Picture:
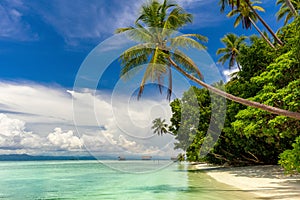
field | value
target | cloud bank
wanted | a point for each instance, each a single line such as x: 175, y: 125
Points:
x: 36, y: 119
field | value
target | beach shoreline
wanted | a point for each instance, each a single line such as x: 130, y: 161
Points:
x: 266, y: 181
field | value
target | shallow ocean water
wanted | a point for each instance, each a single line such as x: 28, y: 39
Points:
x: 95, y: 180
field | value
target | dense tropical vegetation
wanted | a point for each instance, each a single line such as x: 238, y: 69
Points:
x: 265, y: 126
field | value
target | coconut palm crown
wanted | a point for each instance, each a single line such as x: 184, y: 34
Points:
x: 245, y: 14
x: 158, y: 45
x: 231, y: 50
x: 286, y: 11
x: 160, y: 126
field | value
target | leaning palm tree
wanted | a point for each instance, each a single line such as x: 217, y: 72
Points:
x: 231, y: 50
x: 248, y: 18
x: 159, y: 48
x: 238, y: 3
x: 289, y: 10
x: 160, y: 126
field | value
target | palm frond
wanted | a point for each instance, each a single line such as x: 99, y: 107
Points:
x: 259, y: 8
x: 133, y: 66
x: 186, y: 42
x: 238, y: 21
x: 186, y: 63
x: 177, y: 18
x: 223, y: 50
x: 122, y: 30
x: 155, y: 70
x: 224, y: 58
x: 135, y: 51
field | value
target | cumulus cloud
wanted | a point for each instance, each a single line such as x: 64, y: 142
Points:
x: 64, y: 140
x: 39, y: 119
x: 14, y: 136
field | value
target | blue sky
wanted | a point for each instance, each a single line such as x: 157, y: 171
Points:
x: 44, y: 43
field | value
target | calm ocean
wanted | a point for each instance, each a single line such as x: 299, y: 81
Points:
x: 92, y: 180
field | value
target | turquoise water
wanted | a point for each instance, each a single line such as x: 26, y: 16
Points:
x: 93, y: 180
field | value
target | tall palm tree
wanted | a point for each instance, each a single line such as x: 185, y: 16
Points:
x: 160, y: 126
x: 154, y: 31
x: 232, y: 45
x: 288, y: 8
x: 154, y: 36
x: 238, y: 3
x: 248, y: 18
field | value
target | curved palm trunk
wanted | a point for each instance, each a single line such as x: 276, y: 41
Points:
x: 238, y: 65
x: 261, y: 33
x: 264, y: 23
x: 291, y: 7
x: 246, y: 102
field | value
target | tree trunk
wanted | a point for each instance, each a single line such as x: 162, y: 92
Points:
x: 291, y: 7
x: 238, y: 65
x: 261, y: 33
x: 246, y: 102
x: 264, y: 23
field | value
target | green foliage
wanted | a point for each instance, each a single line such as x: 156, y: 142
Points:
x: 251, y: 136
x: 255, y: 58
x: 190, y: 121
x: 290, y: 159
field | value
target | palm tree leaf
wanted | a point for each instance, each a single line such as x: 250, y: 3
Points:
x: 140, y: 34
x: 177, y: 18
x: 223, y: 50
x: 224, y: 58
x: 186, y: 42
x: 259, y: 8
x: 187, y: 63
x: 133, y: 66
x: 233, y: 12
x: 155, y: 70
x: 197, y: 36
x: 135, y: 51
x: 121, y: 30
x: 238, y: 21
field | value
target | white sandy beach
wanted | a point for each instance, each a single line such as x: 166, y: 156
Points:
x: 266, y: 182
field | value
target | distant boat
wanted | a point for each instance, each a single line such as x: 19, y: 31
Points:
x: 175, y: 159
x: 146, y: 157
x: 121, y: 158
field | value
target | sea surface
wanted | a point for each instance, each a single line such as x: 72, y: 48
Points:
x: 95, y: 180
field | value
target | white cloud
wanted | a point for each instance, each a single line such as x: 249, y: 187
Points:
x: 12, y: 23
x: 15, y: 137
x: 64, y: 140
x: 80, y: 21
x: 32, y: 112
x: 230, y: 73
x: 91, y: 20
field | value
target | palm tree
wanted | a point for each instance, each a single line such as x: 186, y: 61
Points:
x: 231, y: 50
x: 287, y: 9
x: 159, y: 126
x: 154, y: 31
x: 158, y: 30
x: 238, y: 3
x: 248, y: 18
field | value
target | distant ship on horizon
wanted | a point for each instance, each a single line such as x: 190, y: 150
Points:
x: 146, y: 157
